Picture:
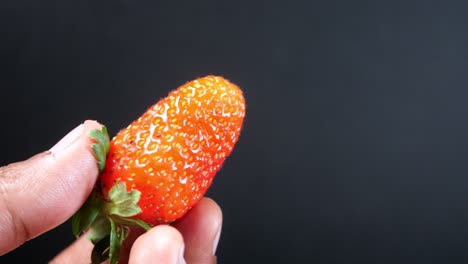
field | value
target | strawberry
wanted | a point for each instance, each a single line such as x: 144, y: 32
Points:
x: 155, y: 170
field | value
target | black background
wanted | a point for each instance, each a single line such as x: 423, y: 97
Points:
x: 355, y: 143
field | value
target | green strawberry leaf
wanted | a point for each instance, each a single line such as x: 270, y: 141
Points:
x: 84, y: 218
x: 132, y: 222
x: 99, y: 229
x: 101, y: 147
x: 123, y: 203
x: 114, y: 249
x: 109, y: 219
x: 117, y: 209
x: 108, y: 242
x: 117, y: 236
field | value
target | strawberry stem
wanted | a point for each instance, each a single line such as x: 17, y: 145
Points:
x: 111, y: 227
x: 108, y: 219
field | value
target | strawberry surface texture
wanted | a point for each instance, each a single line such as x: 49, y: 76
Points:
x: 155, y: 170
x: 172, y: 152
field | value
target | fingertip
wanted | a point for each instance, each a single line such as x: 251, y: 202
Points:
x: 92, y: 124
x: 210, y: 207
x: 213, y: 210
x: 81, y: 132
x: 161, y: 244
x: 207, y: 215
x: 201, y: 228
x: 77, y: 165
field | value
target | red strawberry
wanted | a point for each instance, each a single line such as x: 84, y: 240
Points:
x: 161, y: 165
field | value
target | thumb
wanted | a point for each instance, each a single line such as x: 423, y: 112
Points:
x: 42, y: 192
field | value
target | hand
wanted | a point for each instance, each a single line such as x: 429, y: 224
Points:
x: 44, y: 191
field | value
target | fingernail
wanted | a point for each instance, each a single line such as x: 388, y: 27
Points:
x: 216, y: 240
x: 181, y: 259
x: 66, y: 141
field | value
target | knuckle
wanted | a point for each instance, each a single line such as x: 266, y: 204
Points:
x: 13, y: 231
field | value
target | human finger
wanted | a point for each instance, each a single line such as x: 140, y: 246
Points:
x: 201, y: 229
x: 42, y: 192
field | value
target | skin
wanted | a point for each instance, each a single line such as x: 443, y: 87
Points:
x: 32, y: 195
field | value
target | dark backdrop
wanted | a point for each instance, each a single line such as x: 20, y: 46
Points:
x: 354, y: 148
